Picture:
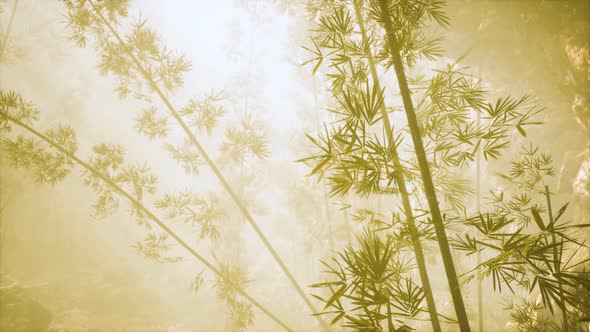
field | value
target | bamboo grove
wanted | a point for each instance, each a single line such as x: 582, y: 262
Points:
x: 403, y: 128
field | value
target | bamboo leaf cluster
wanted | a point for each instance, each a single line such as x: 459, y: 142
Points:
x: 370, y: 287
x: 527, y: 244
x: 454, y: 121
x: 112, y: 179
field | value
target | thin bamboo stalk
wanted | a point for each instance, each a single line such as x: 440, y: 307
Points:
x: 401, y: 183
x: 328, y: 217
x: 557, y: 262
x: 429, y: 189
x: 325, y: 196
x: 241, y: 206
x: 480, y: 321
x: 147, y: 212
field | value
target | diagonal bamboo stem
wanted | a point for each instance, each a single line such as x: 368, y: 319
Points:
x: 213, y: 168
x: 148, y: 213
x: 439, y: 228
x: 401, y: 182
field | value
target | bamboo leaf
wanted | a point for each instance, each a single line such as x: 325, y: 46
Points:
x: 337, y: 318
x: 336, y: 296
x: 538, y: 219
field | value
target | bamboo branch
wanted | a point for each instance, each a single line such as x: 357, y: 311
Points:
x: 401, y: 182
x: 394, y: 50
x: 148, y: 213
x: 213, y: 167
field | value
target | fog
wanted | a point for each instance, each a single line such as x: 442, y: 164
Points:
x: 66, y: 266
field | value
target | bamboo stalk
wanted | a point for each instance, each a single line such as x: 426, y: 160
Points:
x: 328, y: 217
x: 425, y: 171
x: 148, y: 213
x: 325, y: 196
x: 390, y: 327
x: 557, y: 262
x: 480, y: 321
x: 214, y: 169
x: 401, y: 182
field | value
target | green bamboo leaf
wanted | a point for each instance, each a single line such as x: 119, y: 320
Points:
x: 337, y: 318
x: 538, y: 219
x: 318, y: 297
x: 319, y: 166
x: 317, y: 66
x: 561, y: 212
x: 326, y: 284
x: 336, y: 296
x: 521, y: 130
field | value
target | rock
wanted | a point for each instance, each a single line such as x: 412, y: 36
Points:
x: 19, y: 311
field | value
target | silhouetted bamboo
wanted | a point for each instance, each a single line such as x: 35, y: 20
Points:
x: 147, y: 212
x: 211, y: 165
x: 401, y: 182
x: 557, y: 262
x: 453, y: 281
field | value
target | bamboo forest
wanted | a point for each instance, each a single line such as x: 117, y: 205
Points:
x: 294, y: 165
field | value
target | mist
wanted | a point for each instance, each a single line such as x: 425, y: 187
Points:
x: 265, y: 165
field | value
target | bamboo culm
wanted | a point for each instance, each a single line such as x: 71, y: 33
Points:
x: 429, y: 189
x: 418, y: 251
